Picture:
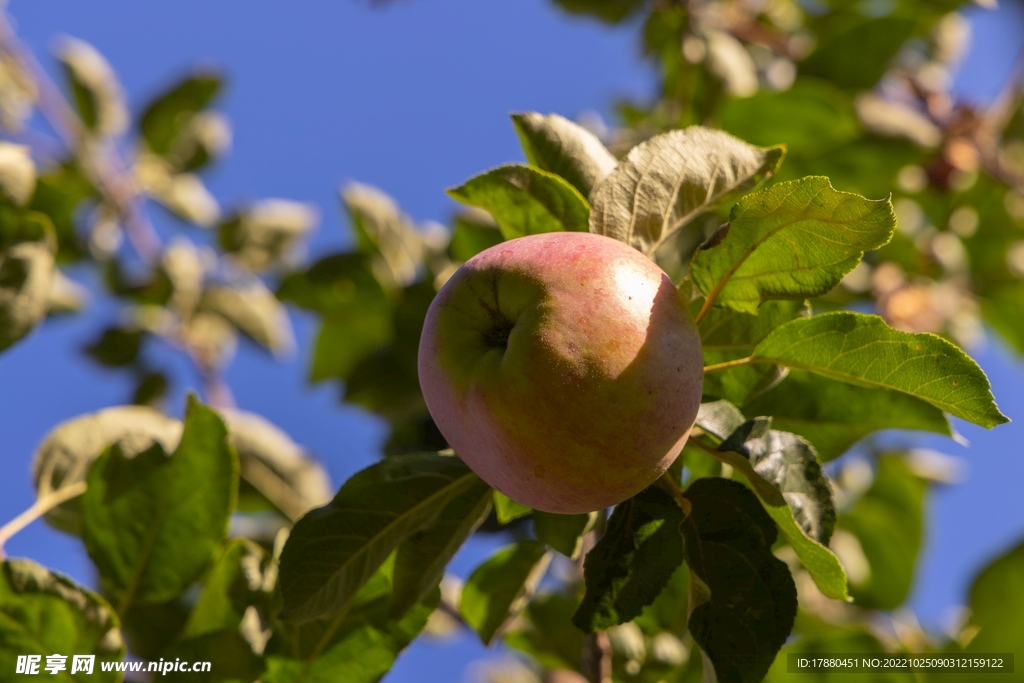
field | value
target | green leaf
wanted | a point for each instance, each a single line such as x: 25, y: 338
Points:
x: 357, y: 315
x: 774, y: 464
x: 525, y: 200
x: 64, y: 456
x: 833, y: 415
x: 888, y: 523
x: 669, y: 610
x: 386, y: 233
x: 421, y: 559
x: 729, y: 335
x: 152, y: 523
x: 26, y: 272
x: 216, y: 631
x: 742, y: 598
x: 43, y: 613
x: 227, y: 590
x: 790, y: 241
x: 500, y: 588
x: 95, y: 90
x: 825, y: 639
x: 166, y: 115
x: 790, y: 465
x: 266, y: 233
x: 665, y: 182
x: 564, y: 533
x: 254, y: 310
x: 335, y: 549
x: 854, y: 51
x: 996, y: 600
x: 555, y: 144
x: 356, y: 646
x: 547, y: 633
x: 474, y: 230
x: 507, y: 509
x: 116, y: 347
x: 861, y: 349
x: 632, y: 562
x: 276, y: 472
x: 59, y: 193
x: 810, y: 117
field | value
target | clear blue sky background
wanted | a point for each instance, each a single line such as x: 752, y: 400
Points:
x: 412, y: 98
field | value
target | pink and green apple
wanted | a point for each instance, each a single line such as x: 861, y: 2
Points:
x: 563, y: 368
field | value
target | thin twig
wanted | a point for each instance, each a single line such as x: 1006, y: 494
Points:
x: 597, y: 658
x: 38, y: 509
x: 105, y: 168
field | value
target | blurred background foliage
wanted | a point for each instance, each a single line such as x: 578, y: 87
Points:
x: 858, y: 90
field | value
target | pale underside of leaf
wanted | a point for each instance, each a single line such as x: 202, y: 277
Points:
x: 667, y: 181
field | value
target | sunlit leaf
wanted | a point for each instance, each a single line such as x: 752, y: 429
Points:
x: 43, y: 613
x: 557, y: 145
x: 152, y: 523
x: 525, y: 200
x: 667, y: 181
x: 791, y: 241
x: 863, y: 350
x: 563, y: 533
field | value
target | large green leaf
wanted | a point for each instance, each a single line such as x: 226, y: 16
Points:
x: 152, y: 523
x: 790, y: 241
x: 358, y: 645
x: 421, y: 559
x: 774, y: 464
x: 742, y: 598
x: 42, y: 614
x: 500, y: 588
x: 335, y: 549
x: 861, y: 349
x: 525, y: 200
x: 791, y: 466
x: 557, y: 145
x: 665, y: 182
x: 632, y: 562
x: 834, y: 415
x: 888, y: 523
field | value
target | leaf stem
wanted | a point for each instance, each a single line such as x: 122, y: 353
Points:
x: 729, y: 364
x: 677, y: 493
x: 38, y: 509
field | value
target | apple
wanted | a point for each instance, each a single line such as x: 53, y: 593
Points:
x: 563, y: 368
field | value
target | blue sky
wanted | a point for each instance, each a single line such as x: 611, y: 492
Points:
x: 412, y: 98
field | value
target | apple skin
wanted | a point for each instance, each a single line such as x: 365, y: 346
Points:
x: 563, y: 368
